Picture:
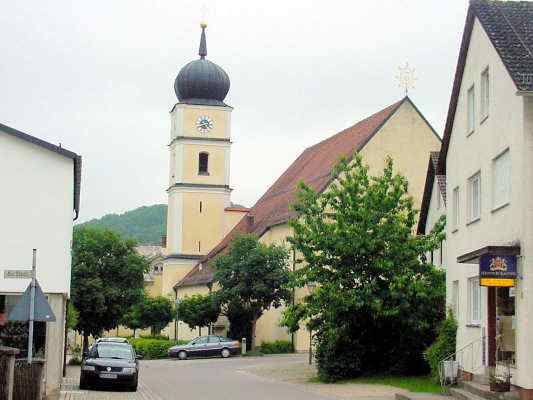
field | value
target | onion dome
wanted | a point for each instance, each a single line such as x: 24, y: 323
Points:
x: 202, y: 81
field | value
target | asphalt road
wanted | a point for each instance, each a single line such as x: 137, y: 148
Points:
x: 204, y: 379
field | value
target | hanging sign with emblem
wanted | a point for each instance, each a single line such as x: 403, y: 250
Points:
x: 497, y: 271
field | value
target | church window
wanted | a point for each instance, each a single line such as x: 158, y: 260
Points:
x: 200, y: 206
x: 203, y: 164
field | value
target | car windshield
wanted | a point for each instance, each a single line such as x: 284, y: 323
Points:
x: 109, y: 350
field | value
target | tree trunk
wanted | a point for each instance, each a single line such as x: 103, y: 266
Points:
x: 85, y: 343
x: 199, y: 331
x: 254, y: 322
x: 134, y: 330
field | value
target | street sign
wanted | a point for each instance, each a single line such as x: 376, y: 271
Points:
x: 17, y: 274
x: 42, y: 310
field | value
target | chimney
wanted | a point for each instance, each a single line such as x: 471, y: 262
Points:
x: 250, y: 219
x: 164, y: 241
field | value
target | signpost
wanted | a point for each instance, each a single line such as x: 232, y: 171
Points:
x: 497, y: 271
x: 32, y: 305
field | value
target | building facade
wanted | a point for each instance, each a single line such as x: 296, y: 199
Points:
x: 399, y: 131
x: 487, y: 158
x: 39, y: 202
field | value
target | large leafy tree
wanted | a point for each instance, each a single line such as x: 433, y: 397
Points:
x: 376, y: 302
x: 132, y: 318
x: 156, y: 313
x: 198, y: 310
x: 251, y: 277
x: 107, y: 279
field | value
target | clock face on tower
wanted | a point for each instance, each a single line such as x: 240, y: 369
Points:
x: 204, y: 124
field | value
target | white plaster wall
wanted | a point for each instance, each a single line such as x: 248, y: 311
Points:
x: 434, y: 213
x: 36, y: 211
x: 469, y: 154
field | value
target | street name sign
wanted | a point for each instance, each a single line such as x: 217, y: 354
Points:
x: 17, y: 274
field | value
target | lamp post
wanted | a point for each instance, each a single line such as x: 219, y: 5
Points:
x: 311, y: 286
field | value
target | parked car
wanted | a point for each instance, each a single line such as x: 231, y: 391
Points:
x: 110, y: 363
x: 112, y: 339
x: 206, y: 346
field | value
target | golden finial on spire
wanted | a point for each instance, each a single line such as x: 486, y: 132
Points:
x: 203, y: 19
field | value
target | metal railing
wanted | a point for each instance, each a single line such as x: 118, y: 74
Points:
x: 469, y: 358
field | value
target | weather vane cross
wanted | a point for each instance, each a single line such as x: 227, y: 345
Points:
x: 406, y: 78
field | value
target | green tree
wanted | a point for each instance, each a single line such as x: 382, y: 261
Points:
x: 107, y: 279
x: 199, y: 310
x: 132, y: 318
x: 73, y: 316
x: 376, y: 303
x: 156, y: 313
x: 252, y: 277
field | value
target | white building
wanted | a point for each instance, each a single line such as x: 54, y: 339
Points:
x: 39, y: 200
x: 433, y: 208
x: 487, y: 158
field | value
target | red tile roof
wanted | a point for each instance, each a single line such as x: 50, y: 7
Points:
x: 314, y: 167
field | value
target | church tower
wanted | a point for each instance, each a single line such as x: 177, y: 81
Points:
x: 199, y: 173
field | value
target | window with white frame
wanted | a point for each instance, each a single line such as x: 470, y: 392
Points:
x: 501, y: 179
x: 474, y: 301
x: 455, y: 298
x: 455, y: 210
x: 485, y: 93
x: 471, y: 110
x: 474, y: 197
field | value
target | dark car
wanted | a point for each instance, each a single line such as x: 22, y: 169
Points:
x: 110, y: 363
x: 206, y: 346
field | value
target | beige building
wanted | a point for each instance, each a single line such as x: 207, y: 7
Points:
x: 399, y: 131
x: 201, y: 218
x: 487, y: 157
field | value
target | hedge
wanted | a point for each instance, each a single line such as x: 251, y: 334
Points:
x: 151, y: 348
x: 277, y: 347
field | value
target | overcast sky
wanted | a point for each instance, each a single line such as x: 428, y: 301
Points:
x: 97, y: 76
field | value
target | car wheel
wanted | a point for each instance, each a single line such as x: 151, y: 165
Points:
x: 225, y: 353
x: 83, y: 384
x: 182, y: 355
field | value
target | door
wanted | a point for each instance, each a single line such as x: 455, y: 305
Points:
x: 213, y: 345
x: 505, y: 326
x: 198, y: 346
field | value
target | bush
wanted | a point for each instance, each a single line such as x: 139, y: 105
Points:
x: 277, y: 347
x: 76, y: 356
x: 151, y: 348
x: 443, y: 346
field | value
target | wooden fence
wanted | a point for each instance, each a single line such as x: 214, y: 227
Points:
x: 28, y: 380
x: 18, y: 379
x: 7, y: 372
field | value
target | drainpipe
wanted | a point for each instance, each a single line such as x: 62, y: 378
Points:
x: 176, y: 320
x: 65, y: 340
x: 293, y: 293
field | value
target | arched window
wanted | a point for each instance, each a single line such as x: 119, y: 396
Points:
x: 203, y: 164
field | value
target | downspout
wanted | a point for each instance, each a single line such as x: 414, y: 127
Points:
x: 293, y: 300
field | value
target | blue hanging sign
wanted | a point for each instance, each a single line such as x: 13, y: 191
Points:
x: 498, y: 271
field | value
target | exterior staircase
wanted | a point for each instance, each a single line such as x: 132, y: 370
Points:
x: 479, y: 389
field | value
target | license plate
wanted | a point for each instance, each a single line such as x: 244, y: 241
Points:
x: 108, y: 376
